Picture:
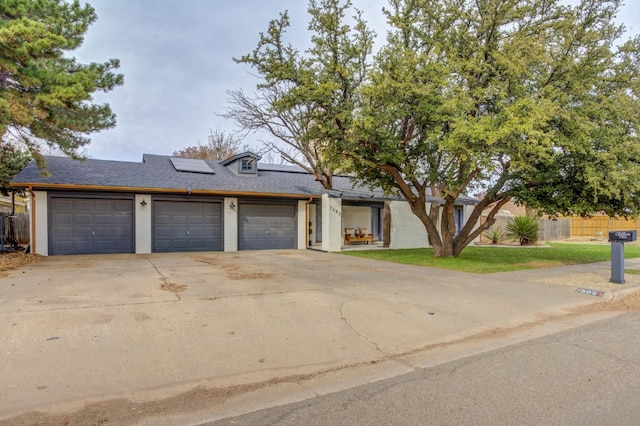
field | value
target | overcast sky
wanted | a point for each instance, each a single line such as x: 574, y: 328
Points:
x: 176, y: 57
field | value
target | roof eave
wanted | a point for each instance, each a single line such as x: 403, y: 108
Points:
x: 53, y: 186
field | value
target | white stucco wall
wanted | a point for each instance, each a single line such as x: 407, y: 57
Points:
x: 467, y: 212
x: 230, y: 224
x: 332, y: 232
x: 406, y: 229
x: 143, y: 223
x: 41, y: 224
x: 302, y: 224
x: 356, y: 217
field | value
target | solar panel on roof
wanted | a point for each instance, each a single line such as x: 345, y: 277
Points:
x: 191, y: 165
x: 281, y: 168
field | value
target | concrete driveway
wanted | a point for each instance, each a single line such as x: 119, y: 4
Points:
x: 78, y: 329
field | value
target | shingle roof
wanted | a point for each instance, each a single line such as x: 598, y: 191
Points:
x: 157, y: 173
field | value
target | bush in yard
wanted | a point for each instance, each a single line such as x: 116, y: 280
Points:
x: 495, y: 235
x: 524, y: 229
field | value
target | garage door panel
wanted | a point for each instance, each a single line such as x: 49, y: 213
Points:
x: 87, y: 205
x: 266, y: 226
x: 180, y: 226
x: 121, y: 220
x: 82, y: 219
x: 91, y: 226
x: 62, y: 233
x: 82, y: 232
x: 103, y: 233
x: 62, y: 204
x: 63, y: 219
x: 104, y: 206
x: 102, y: 219
x: 121, y: 207
x: 163, y: 232
x: 82, y: 246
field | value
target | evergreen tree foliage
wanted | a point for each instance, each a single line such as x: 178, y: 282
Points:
x: 45, y: 94
x: 12, y: 160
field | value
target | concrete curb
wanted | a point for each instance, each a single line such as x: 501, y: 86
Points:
x: 622, y: 293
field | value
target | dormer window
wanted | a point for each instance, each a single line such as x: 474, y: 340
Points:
x: 248, y: 166
x: 244, y: 164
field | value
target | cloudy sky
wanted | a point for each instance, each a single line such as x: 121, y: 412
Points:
x: 176, y: 56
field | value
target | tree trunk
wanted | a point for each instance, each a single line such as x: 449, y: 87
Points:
x: 386, y: 224
x: 448, y: 228
x: 443, y: 238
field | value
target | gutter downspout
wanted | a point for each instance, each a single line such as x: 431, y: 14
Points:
x: 306, y: 221
x: 33, y: 219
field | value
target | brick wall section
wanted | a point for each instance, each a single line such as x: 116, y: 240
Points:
x: 303, y: 224
x: 331, y: 223
x: 406, y: 229
x: 42, y: 224
x: 143, y: 223
x: 230, y: 224
x: 356, y: 217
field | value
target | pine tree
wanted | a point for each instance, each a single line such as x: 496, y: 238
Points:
x: 45, y: 94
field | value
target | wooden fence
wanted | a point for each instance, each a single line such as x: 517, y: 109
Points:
x: 20, y: 227
x: 554, y: 229
x: 599, y: 226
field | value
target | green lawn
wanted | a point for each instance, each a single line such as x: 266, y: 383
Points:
x: 484, y: 260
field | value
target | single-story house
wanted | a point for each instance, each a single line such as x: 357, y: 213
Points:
x: 170, y: 204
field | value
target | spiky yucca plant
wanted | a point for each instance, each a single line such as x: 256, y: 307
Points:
x: 495, y: 235
x: 524, y: 229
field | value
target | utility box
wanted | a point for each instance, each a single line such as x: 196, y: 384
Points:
x: 617, y: 240
x: 623, y: 236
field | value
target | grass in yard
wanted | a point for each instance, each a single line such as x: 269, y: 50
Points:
x: 484, y: 260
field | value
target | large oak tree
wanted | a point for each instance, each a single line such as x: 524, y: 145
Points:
x: 528, y: 100
x: 45, y: 94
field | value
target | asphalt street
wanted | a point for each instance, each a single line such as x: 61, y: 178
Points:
x: 588, y: 375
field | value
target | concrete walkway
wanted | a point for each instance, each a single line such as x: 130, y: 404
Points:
x: 79, y: 329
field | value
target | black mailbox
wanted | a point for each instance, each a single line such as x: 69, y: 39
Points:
x: 622, y: 236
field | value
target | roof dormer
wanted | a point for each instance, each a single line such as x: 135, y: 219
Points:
x: 243, y: 164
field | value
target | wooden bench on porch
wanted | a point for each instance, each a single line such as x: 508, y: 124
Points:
x: 357, y: 235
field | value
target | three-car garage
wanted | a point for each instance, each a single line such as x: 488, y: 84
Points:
x: 81, y: 223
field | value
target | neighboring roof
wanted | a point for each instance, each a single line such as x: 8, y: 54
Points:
x: 156, y: 173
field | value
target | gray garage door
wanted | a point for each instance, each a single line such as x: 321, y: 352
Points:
x: 90, y: 226
x: 187, y: 226
x: 266, y: 226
